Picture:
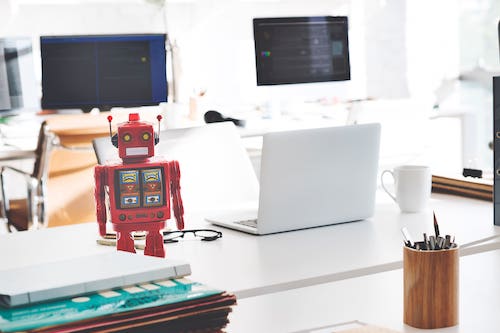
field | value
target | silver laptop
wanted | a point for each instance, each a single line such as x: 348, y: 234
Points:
x: 311, y: 178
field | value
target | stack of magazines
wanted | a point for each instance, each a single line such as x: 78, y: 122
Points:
x: 176, y: 305
x: 478, y: 188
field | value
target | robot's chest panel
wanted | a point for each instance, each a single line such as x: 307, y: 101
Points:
x: 139, y: 188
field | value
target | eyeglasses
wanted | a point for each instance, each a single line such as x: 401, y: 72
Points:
x: 204, y: 235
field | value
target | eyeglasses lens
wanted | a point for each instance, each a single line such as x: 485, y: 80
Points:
x: 206, y: 235
x: 173, y: 235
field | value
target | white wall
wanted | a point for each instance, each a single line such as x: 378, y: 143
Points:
x: 433, y: 47
x: 35, y: 18
x: 398, y: 48
x: 385, y: 40
x: 214, y: 38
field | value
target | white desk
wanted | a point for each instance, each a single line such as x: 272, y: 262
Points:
x: 375, y: 299
x: 255, y: 265
x: 9, y: 153
x: 18, y: 145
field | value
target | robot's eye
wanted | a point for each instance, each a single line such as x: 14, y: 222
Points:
x: 146, y: 136
x: 127, y: 137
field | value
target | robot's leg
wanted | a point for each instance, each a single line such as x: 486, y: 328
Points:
x: 125, y: 242
x: 154, y: 244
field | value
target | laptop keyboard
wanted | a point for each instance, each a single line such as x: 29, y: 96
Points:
x: 252, y: 223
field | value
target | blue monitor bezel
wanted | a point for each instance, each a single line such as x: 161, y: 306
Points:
x: 158, y: 70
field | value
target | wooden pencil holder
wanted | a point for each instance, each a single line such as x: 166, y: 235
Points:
x: 430, y: 287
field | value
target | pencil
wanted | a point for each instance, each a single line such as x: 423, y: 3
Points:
x: 436, y: 226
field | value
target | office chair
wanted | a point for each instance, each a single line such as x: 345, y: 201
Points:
x: 29, y: 212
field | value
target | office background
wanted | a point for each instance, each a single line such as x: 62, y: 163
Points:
x: 409, y: 56
x: 398, y: 49
x: 428, y: 67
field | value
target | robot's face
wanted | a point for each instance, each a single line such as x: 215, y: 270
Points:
x: 135, y: 140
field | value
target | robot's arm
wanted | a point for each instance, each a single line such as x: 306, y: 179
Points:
x: 175, y: 188
x: 100, y: 197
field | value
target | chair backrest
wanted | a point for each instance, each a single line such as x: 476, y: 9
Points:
x: 42, y: 152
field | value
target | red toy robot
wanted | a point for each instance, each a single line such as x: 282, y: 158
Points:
x: 139, y: 187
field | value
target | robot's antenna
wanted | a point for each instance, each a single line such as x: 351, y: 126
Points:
x: 114, y: 139
x: 159, y: 117
x: 110, y: 118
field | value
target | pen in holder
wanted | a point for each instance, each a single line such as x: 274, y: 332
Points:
x: 430, y: 287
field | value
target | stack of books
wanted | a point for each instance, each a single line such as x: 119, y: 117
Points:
x: 174, y: 305
x: 109, y: 292
x: 478, y: 188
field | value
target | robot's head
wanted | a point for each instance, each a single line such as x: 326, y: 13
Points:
x: 135, y: 139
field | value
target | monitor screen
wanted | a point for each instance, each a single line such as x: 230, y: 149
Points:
x: 103, y: 71
x: 17, y: 75
x: 301, y: 49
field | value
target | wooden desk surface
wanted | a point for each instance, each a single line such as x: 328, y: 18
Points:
x: 77, y: 129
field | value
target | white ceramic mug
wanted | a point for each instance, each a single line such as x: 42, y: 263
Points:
x: 412, y: 184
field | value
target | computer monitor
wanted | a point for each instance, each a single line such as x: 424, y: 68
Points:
x: 292, y: 50
x: 17, y: 75
x: 103, y: 71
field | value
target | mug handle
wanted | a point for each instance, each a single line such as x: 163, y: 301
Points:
x: 383, y: 186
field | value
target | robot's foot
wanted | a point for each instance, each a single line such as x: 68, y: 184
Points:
x: 125, y: 242
x: 154, y: 245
